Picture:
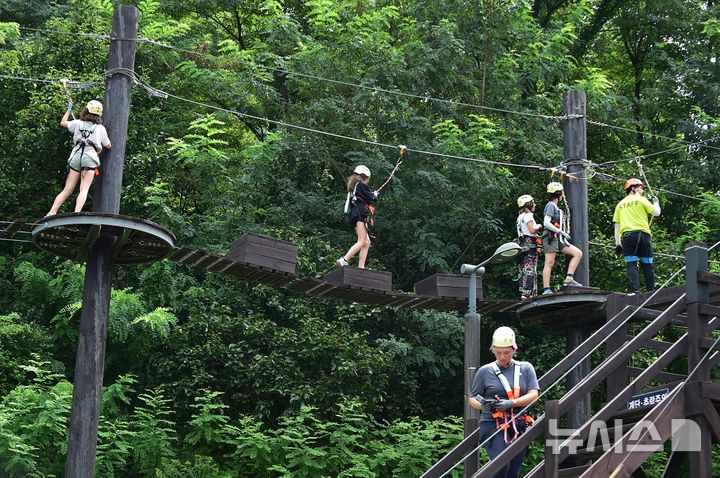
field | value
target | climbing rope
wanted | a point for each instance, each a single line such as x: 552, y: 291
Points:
x: 402, y: 148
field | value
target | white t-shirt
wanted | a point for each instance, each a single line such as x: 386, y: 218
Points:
x: 93, y: 132
x: 522, y: 224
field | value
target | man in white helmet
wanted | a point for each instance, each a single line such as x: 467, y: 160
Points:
x: 527, y: 230
x: 501, y: 389
x: 89, y: 138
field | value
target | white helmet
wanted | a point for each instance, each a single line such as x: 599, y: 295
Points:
x: 94, y: 107
x: 524, y: 199
x: 362, y: 169
x: 554, y: 187
x: 504, y: 337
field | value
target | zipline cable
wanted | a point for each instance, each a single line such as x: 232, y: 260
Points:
x: 162, y: 94
x: 652, y: 135
x: 341, y: 136
x: 671, y: 256
x: 371, y: 88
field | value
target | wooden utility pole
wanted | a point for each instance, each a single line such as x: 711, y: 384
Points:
x: 90, y: 359
x: 576, y: 188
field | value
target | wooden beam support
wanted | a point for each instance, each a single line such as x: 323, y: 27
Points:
x: 552, y: 461
x: 666, y: 377
x: 14, y: 226
x: 709, y: 310
x: 636, y: 446
x: 88, y: 242
x: 708, y: 277
x: 620, y: 398
x: 92, y: 337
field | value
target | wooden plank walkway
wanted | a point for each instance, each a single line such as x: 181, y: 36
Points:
x: 318, y: 287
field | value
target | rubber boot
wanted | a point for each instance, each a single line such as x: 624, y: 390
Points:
x: 649, y: 273
x: 634, y: 276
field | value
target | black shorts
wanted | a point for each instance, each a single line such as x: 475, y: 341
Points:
x: 356, y: 215
x: 636, y: 244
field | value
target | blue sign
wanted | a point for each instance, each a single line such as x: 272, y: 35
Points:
x: 647, y: 399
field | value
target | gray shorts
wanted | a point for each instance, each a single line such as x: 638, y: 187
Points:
x: 552, y: 244
x: 78, y: 162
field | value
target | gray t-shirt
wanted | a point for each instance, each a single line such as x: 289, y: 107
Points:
x: 552, y: 210
x: 487, y: 385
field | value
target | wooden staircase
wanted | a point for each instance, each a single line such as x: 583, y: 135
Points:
x: 691, y: 395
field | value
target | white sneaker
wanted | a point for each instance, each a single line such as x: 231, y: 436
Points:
x: 341, y: 262
x: 570, y: 282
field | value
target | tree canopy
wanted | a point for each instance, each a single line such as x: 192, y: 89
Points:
x: 270, y: 105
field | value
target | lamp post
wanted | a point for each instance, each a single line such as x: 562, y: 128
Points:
x: 472, y: 338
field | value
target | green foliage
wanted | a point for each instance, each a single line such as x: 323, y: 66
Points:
x: 33, y: 424
x: 208, y: 420
x: 199, y: 467
x: 313, y: 387
x: 153, y: 431
x: 20, y: 340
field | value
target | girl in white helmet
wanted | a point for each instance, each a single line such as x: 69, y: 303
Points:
x: 89, y: 138
x: 527, y: 230
x: 360, y: 198
x: 555, y: 239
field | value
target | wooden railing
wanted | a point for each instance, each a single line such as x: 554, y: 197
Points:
x: 701, y: 318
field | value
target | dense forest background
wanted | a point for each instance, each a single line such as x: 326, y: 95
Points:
x: 211, y: 377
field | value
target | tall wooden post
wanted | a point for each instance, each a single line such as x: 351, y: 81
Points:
x: 574, y: 157
x: 696, y: 260
x: 90, y: 359
x: 118, y: 90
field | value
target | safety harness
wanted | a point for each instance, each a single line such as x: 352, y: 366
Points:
x: 82, y: 142
x: 352, y: 196
x: 525, y: 246
x: 506, y: 419
x: 353, y: 199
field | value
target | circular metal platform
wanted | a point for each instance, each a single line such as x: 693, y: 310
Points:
x: 73, y: 235
x: 569, y: 307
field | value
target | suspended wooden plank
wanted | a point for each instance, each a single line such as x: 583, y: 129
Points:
x: 221, y: 265
x: 209, y: 260
x: 180, y: 253
x: 14, y: 226
x: 447, y: 285
x: 264, y: 251
x: 303, y: 284
x: 362, y: 278
x: 192, y: 258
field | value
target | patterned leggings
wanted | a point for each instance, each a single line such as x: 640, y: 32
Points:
x: 527, y: 266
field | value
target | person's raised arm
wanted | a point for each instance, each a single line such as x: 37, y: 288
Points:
x: 64, y: 120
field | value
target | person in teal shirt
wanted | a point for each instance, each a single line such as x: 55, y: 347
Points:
x: 632, y: 234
